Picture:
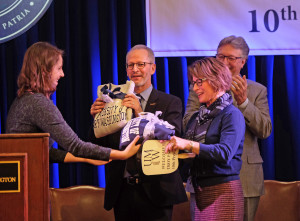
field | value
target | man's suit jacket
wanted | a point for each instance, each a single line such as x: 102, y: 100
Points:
x: 162, y: 190
x: 258, y: 125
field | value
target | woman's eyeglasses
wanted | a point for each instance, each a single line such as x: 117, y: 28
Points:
x: 199, y: 82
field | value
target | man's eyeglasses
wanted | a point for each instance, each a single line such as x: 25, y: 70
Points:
x: 139, y: 65
x: 229, y: 58
x: 199, y: 82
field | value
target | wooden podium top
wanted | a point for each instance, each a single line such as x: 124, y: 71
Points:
x: 27, y: 135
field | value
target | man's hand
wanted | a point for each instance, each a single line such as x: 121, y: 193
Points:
x: 97, y: 107
x: 239, y: 88
x: 133, y: 102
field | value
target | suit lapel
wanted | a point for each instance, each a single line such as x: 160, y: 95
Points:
x: 152, y: 102
x: 233, y: 99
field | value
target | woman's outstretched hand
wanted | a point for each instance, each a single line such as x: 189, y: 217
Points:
x: 130, y: 150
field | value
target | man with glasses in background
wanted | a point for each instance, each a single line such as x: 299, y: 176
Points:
x: 133, y: 195
x: 251, y: 99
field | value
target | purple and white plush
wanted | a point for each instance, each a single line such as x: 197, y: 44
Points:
x: 148, y: 126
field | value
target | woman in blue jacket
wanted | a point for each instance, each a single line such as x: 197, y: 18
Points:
x: 215, y: 134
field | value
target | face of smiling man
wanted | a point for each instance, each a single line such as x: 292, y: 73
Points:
x: 141, y: 76
x: 236, y: 65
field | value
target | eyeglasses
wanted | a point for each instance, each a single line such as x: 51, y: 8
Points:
x: 199, y: 82
x: 229, y: 58
x: 139, y: 65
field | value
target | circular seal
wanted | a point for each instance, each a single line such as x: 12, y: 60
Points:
x: 17, y: 16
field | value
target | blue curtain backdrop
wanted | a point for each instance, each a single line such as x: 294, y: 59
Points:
x: 96, y: 36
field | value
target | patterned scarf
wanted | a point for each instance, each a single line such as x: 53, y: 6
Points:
x: 199, y: 124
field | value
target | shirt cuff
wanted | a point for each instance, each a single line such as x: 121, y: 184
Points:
x: 244, y: 104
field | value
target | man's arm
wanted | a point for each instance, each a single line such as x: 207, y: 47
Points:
x: 256, y: 113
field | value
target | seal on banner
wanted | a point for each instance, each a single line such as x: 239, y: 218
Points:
x: 17, y: 16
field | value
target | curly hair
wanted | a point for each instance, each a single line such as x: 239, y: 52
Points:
x: 36, y: 70
x: 216, y: 73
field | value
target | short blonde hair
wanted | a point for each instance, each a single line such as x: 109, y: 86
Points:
x: 216, y: 73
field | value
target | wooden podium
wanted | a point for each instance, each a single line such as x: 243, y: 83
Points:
x: 24, y: 177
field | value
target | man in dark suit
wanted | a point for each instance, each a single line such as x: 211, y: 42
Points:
x: 133, y: 195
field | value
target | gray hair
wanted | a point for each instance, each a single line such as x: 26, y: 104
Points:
x: 237, y: 43
x: 138, y: 47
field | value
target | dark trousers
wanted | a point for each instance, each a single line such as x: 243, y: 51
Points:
x: 134, y: 205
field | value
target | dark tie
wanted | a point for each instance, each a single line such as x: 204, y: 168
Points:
x: 131, y: 166
x: 140, y: 100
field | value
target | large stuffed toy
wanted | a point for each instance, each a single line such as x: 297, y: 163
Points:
x: 148, y: 126
x: 114, y: 116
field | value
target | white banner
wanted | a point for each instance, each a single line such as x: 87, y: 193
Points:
x: 195, y: 27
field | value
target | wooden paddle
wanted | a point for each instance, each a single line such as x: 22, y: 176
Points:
x: 155, y: 161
